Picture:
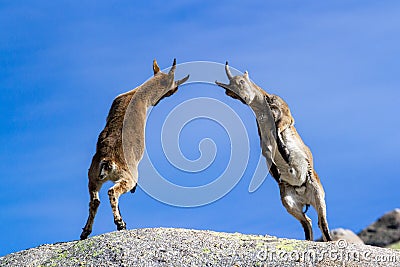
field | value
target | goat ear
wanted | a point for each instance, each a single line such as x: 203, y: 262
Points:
x: 179, y: 82
x: 246, y: 75
x: 156, y: 68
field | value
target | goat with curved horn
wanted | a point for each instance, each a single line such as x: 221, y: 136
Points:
x: 291, y: 164
x: 118, y: 155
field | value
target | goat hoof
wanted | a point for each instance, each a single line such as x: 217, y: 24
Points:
x: 328, y: 238
x: 85, y: 234
x: 121, y: 225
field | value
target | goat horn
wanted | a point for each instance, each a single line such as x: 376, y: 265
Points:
x: 228, y: 72
x: 179, y: 82
x: 156, y: 68
x: 172, y: 70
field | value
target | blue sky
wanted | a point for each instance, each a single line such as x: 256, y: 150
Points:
x: 61, y: 64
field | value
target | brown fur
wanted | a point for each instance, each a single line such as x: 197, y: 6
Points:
x: 109, y: 143
x: 293, y: 196
x: 117, y: 156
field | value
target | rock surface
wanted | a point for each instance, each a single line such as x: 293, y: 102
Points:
x: 346, y: 234
x: 383, y: 232
x: 181, y: 247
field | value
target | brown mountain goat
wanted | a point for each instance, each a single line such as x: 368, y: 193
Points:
x: 116, y: 159
x: 292, y: 165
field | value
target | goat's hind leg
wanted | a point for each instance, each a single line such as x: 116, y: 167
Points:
x: 320, y: 207
x: 305, y: 222
x: 93, y: 206
x: 121, y: 187
x: 295, y: 208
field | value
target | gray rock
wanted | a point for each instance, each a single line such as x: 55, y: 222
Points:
x: 346, y: 234
x: 181, y: 247
x: 383, y: 232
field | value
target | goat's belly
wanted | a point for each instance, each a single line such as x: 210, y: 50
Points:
x: 294, y: 174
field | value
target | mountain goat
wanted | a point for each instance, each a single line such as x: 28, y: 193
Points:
x: 292, y: 165
x: 110, y: 163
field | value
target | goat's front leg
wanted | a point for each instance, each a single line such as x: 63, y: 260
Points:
x: 295, y: 208
x: 282, y: 148
x: 93, y: 205
x: 121, y: 187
